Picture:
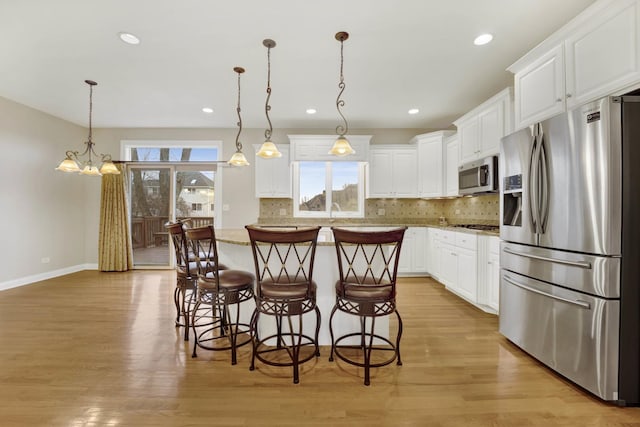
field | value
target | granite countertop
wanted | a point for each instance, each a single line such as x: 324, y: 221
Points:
x: 240, y: 236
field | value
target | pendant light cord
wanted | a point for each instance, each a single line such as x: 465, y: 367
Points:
x: 340, y: 129
x: 238, y: 143
x: 267, y: 107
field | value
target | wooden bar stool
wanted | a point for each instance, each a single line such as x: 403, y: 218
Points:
x: 285, y: 290
x: 224, y: 291
x: 368, y: 266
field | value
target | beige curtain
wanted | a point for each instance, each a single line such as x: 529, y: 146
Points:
x: 114, y: 242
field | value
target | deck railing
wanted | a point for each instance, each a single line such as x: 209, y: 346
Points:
x: 149, y: 231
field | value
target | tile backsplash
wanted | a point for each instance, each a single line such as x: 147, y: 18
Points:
x: 483, y: 209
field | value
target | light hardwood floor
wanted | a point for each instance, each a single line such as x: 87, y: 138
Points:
x: 100, y: 349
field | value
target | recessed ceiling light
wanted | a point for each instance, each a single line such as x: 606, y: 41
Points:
x: 483, y: 39
x: 128, y: 38
x: 414, y: 111
x: 311, y: 111
x: 207, y: 110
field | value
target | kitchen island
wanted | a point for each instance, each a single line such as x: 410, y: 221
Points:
x: 234, y: 248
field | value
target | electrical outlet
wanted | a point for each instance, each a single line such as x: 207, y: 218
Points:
x: 45, y: 260
x: 226, y: 208
x: 381, y: 212
x: 283, y: 211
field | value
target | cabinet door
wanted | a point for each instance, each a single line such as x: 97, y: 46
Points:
x: 449, y: 266
x: 452, y: 161
x: 380, y: 167
x: 405, y: 173
x: 604, y: 55
x: 431, y: 168
x: 467, y: 274
x: 273, y: 176
x: 469, y: 140
x: 493, y: 281
x: 419, y: 250
x: 491, y: 130
x: 539, y: 89
x: 405, y: 265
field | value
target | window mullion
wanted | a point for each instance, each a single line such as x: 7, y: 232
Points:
x: 328, y: 187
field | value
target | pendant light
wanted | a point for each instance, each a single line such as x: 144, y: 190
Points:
x: 238, y: 158
x: 74, y: 163
x: 268, y: 150
x: 341, y: 147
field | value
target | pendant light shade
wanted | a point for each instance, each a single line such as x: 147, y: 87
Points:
x: 73, y: 161
x: 341, y: 147
x: 238, y: 158
x: 268, y: 150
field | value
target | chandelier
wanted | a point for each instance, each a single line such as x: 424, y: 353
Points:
x: 238, y: 158
x: 74, y: 162
x: 268, y: 150
x: 341, y: 147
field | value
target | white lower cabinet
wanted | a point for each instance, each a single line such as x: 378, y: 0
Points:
x: 467, y: 264
x: 413, y: 257
x: 489, y: 273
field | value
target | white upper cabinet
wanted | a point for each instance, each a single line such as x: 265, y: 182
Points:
x: 539, y: 89
x: 480, y: 130
x: 273, y: 176
x: 452, y: 158
x: 431, y: 163
x: 596, y: 54
x: 392, y: 172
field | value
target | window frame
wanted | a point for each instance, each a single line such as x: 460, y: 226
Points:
x: 328, y: 213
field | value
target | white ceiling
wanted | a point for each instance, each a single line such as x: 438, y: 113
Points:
x: 401, y: 54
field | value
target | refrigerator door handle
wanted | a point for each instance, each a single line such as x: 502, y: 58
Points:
x: 544, y: 186
x: 579, y: 303
x: 579, y: 264
x: 533, y: 181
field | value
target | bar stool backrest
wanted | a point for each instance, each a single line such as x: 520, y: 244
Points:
x: 283, y: 256
x: 202, y: 244
x: 180, y: 246
x: 368, y: 258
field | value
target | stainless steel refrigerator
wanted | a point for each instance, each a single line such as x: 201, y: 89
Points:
x: 570, y: 250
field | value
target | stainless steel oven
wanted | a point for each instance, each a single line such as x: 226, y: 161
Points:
x: 480, y: 176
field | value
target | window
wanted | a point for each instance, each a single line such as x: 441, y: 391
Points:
x: 328, y: 189
x: 196, y: 206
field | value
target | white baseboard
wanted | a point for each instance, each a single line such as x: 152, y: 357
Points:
x: 44, y: 276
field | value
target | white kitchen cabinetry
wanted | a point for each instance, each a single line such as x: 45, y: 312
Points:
x: 434, y: 241
x: 489, y: 273
x: 452, y: 158
x: 392, y: 172
x: 413, y: 257
x: 595, y: 55
x: 431, y: 163
x: 480, y: 130
x: 273, y: 176
x: 458, y: 263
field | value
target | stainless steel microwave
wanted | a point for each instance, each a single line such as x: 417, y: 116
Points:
x: 479, y: 176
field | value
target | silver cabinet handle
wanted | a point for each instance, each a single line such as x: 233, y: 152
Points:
x: 580, y: 264
x: 559, y: 100
x: 568, y: 95
x: 579, y: 303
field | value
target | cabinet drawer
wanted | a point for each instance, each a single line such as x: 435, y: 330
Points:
x: 467, y: 241
x: 448, y: 237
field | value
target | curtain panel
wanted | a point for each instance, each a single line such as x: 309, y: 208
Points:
x: 114, y: 242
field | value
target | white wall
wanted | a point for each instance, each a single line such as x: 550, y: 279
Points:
x: 43, y: 210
